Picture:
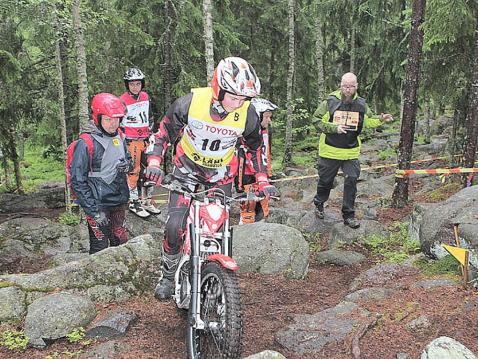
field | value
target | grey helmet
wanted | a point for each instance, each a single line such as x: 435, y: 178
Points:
x: 133, y: 74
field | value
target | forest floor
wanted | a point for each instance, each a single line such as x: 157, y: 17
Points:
x: 271, y: 301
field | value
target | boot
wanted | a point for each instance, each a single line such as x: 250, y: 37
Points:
x: 135, y: 207
x: 148, y: 205
x: 165, y: 288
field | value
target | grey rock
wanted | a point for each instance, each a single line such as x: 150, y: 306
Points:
x: 108, y: 350
x: 343, y: 235
x: 418, y: 324
x: 114, y: 274
x: 446, y: 348
x: 432, y: 225
x: 382, y: 275
x: 51, y: 197
x: 433, y: 283
x: 309, y: 223
x: 340, y: 258
x: 12, y: 304
x: 56, y: 315
x: 115, y: 325
x: 270, y: 248
x: 266, y: 354
x: 402, y: 356
x: 370, y: 294
x: 32, y: 239
x: 310, y: 333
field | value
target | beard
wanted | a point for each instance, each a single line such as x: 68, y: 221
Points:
x: 347, y: 99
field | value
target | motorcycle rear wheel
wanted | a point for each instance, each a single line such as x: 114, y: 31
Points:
x: 221, y: 310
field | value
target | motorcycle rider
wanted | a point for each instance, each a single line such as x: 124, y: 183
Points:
x: 207, y: 123
x: 252, y: 211
x: 136, y: 125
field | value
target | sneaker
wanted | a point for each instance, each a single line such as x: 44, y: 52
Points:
x: 319, y: 211
x: 149, y: 206
x: 352, y: 223
x: 136, y: 208
x: 164, y: 289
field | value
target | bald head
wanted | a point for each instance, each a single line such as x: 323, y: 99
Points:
x: 348, y: 86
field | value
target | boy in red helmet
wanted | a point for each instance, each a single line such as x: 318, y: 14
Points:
x: 136, y: 126
x: 207, y: 124
x: 99, y: 180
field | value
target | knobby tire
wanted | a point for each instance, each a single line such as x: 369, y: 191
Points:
x: 221, y: 303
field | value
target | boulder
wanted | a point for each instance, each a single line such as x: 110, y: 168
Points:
x: 311, y: 333
x: 270, y: 248
x: 266, y: 354
x: 432, y: 225
x: 56, y: 315
x: 46, y: 197
x: 446, y: 348
x: 114, y: 274
x: 12, y: 304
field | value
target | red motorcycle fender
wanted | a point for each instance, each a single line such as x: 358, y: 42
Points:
x: 225, y: 261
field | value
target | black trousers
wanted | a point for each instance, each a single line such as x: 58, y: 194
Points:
x: 110, y: 235
x: 328, y: 169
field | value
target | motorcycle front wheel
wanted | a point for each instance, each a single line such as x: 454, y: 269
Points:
x: 221, y: 311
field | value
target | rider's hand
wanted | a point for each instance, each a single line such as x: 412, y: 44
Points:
x: 154, y: 174
x: 101, y: 219
x: 267, y: 189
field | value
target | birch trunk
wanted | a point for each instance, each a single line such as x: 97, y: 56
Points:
x: 208, y: 39
x: 61, y: 102
x: 80, y: 66
x: 290, y: 87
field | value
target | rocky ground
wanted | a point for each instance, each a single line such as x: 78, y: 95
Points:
x: 270, y: 303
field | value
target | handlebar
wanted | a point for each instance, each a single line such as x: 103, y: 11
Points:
x: 172, y: 183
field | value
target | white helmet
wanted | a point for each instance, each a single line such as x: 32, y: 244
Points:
x: 133, y: 74
x: 236, y: 76
x: 262, y: 105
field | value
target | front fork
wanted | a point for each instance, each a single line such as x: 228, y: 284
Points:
x: 195, y: 315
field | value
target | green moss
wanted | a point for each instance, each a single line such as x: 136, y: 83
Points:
x: 447, y: 265
x: 397, y: 247
x: 6, y: 283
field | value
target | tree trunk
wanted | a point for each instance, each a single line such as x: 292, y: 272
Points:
x: 168, y: 49
x: 400, y: 193
x: 61, y: 102
x: 319, y: 54
x: 472, y: 119
x: 80, y: 66
x: 208, y: 39
x: 290, y: 87
x: 352, y: 48
x: 12, y: 143
x: 428, y: 114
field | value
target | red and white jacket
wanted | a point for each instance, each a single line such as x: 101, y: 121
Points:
x: 136, y: 123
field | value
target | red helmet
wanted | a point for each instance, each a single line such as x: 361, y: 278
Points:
x: 106, y: 104
x: 236, y: 76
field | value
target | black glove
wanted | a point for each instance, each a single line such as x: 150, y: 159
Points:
x: 154, y: 173
x: 101, y: 219
x: 124, y: 166
x: 268, y: 190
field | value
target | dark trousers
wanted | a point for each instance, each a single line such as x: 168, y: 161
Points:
x: 111, y: 235
x: 328, y: 169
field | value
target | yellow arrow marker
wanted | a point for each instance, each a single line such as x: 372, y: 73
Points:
x: 460, y: 254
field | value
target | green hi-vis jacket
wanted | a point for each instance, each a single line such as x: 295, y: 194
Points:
x: 342, y: 146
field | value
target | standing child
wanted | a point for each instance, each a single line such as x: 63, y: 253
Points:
x: 98, y: 177
x: 253, y: 211
x: 136, y: 126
